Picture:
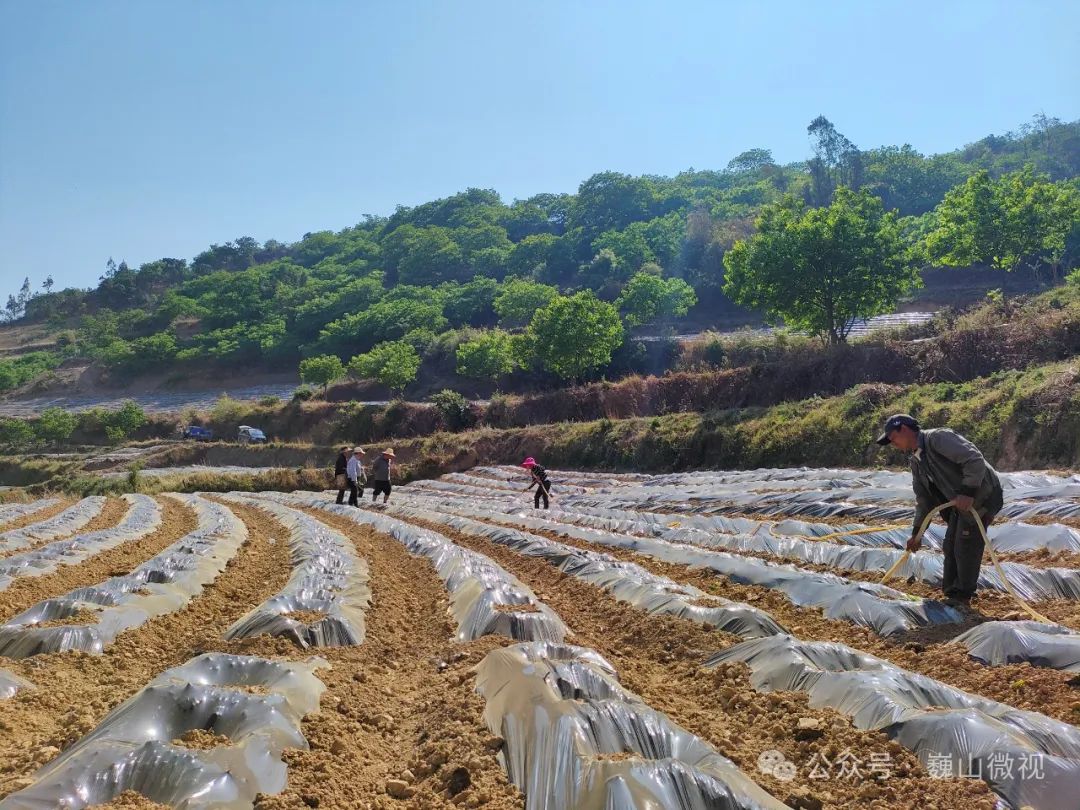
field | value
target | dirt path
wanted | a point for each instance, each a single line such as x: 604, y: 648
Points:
x: 114, y: 509
x: 77, y: 689
x: 401, y: 706
x: 660, y: 657
x: 176, y: 521
x: 1020, y: 685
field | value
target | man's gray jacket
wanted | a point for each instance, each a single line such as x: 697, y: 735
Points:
x: 948, y: 465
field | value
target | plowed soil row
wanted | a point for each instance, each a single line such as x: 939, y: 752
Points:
x: 399, y: 707
x: 75, y: 689
x: 400, y: 711
x: 38, y: 516
x: 176, y: 521
x: 1021, y: 685
x: 660, y: 659
x: 110, y: 514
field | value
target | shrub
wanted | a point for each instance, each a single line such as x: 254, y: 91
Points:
x: 394, y: 364
x: 55, y: 425
x: 16, y: 434
x: 227, y: 409
x: 303, y: 393
x: 489, y: 355
x: 456, y: 411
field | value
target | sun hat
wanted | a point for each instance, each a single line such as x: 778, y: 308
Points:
x: 345, y: 448
x: 529, y: 462
x: 388, y: 452
x: 359, y: 450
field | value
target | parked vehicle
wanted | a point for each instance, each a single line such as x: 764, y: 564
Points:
x: 250, y: 435
x: 199, y: 434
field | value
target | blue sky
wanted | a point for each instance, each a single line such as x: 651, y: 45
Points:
x: 143, y: 129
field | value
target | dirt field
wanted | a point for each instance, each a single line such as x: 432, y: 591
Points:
x: 401, y: 722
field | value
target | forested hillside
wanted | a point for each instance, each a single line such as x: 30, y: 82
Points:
x: 553, y: 284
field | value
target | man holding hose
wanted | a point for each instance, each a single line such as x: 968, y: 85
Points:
x: 947, y: 468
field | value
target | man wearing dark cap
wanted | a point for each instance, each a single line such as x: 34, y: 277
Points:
x: 947, y: 468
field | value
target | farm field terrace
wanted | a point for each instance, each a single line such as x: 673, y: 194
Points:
x: 694, y: 640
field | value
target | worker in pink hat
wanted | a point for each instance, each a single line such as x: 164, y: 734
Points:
x: 539, y: 480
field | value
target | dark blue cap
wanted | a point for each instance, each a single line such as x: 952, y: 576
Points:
x: 895, y: 421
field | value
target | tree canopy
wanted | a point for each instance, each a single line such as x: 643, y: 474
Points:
x: 474, y: 260
x: 821, y: 269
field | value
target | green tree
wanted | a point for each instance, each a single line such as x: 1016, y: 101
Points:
x: 836, y: 162
x: 321, y: 370
x: 394, y: 364
x: 489, y: 355
x: 124, y: 421
x: 648, y: 298
x: 55, y: 425
x: 821, y: 269
x: 519, y: 300
x: 575, y: 334
x: 751, y: 160
x: 16, y: 434
x: 1020, y: 218
x: 471, y: 304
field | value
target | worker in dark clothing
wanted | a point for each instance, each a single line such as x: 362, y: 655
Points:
x: 341, y: 480
x: 380, y: 475
x: 539, y: 480
x: 947, y: 468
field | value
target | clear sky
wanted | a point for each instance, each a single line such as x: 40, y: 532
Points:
x: 141, y: 129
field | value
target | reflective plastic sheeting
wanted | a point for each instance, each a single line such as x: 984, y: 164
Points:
x: 142, y: 518
x: 1041, y: 645
x: 569, y: 724
x: 15, y: 511
x: 10, y: 683
x: 625, y: 581
x: 131, y: 749
x: 162, y: 584
x: 67, y: 522
x: 484, y: 599
x: 743, y: 535
x: 328, y: 577
x: 931, y: 718
x: 885, y: 610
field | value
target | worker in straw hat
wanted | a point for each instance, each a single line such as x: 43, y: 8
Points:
x: 540, y: 480
x: 355, y: 472
x: 948, y: 469
x: 380, y: 475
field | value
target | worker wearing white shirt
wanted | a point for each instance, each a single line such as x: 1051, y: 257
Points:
x: 356, y: 475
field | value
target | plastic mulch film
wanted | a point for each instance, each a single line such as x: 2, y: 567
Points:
x: 15, y: 511
x: 583, y: 478
x: 133, y: 746
x: 951, y: 731
x: 1041, y: 645
x: 327, y: 578
x: 484, y: 599
x: 625, y: 581
x: 885, y: 610
x: 744, y: 535
x: 1006, y: 537
x: 67, y: 522
x: 576, y: 739
x: 10, y: 683
x: 143, y: 517
x: 91, y: 618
